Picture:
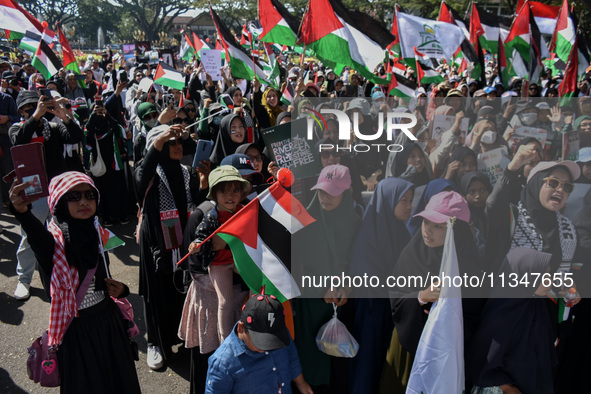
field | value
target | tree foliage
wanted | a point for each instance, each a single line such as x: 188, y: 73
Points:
x: 153, y: 16
x: 52, y: 11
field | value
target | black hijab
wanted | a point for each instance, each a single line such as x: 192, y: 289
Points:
x: 404, y: 171
x: 514, y: 343
x: 459, y: 153
x: 477, y: 214
x: 281, y: 116
x: 544, y: 220
x: 80, y: 238
x: 224, y: 146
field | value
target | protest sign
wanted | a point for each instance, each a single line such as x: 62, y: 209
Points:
x: 523, y: 132
x: 211, y: 59
x: 443, y: 123
x: 288, y: 147
x: 570, y: 146
x: 491, y: 164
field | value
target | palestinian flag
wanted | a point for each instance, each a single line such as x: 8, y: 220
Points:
x: 69, y: 60
x: 279, y: 26
x: 449, y: 15
x: 394, y: 47
x: 544, y: 14
x: 503, y: 71
x: 259, y: 236
x: 187, y: 48
x: 425, y: 74
x: 568, y: 87
x: 110, y: 241
x: 240, y: 62
x: 46, y: 61
x: 168, y: 76
x: 401, y: 86
x: 274, y: 76
x: 30, y: 42
x: 518, y: 43
x: 16, y: 19
x: 563, y: 40
x: 13, y: 35
x: 245, y: 40
x: 199, y: 45
x: 486, y: 28
x: 288, y: 94
x: 341, y: 37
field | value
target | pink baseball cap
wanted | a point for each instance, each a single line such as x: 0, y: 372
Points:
x: 334, y: 180
x: 446, y: 205
x: 571, y: 166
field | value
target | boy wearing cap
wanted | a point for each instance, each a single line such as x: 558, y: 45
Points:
x: 227, y: 190
x: 259, y: 355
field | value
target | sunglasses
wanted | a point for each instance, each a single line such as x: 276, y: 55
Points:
x: 554, y: 183
x: 191, y: 109
x: 75, y: 196
x: 256, y: 158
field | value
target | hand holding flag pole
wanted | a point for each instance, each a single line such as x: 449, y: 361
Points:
x: 284, y: 177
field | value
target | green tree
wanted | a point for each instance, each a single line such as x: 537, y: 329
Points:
x: 153, y: 16
x: 52, y: 11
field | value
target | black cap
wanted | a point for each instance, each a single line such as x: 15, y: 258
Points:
x: 26, y: 97
x: 8, y: 74
x: 264, y: 317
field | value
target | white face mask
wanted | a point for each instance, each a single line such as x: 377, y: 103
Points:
x: 528, y: 119
x: 488, y: 137
x: 150, y: 123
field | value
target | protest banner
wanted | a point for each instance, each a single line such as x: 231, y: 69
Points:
x: 523, y: 132
x: 570, y: 146
x: 491, y: 164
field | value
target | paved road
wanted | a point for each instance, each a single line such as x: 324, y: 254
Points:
x: 22, y: 322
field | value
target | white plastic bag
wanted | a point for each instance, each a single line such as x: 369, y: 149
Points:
x: 98, y: 168
x: 334, y: 338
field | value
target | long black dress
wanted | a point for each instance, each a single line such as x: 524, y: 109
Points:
x: 95, y: 355
x: 163, y: 303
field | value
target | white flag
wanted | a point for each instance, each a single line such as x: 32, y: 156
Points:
x: 439, y: 362
x: 438, y: 40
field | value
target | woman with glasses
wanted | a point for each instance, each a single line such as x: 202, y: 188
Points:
x: 86, y: 327
x: 535, y: 221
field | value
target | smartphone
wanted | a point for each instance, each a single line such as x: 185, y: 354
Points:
x: 99, y: 104
x: 48, y: 96
x: 204, y: 149
x: 123, y: 77
x: 79, y: 77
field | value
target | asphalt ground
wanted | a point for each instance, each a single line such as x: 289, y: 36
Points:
x: 23, y: 321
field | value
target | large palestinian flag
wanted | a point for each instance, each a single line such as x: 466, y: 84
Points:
x: 401, y: 86
x: 340, y: 37
x: 544, y: 14
x: 259, y: 236
x: 486, y: 28
x: 46, y: 61
x: 242, y: 65
x: 279, y: 26
x: 16, y: 19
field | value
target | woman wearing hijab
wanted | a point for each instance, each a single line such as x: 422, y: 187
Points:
x: 513, y: 347
x: 422, y: 256
x: 461, y: 161
x: 266, y: 106
x: 411, y: 164
x: 104, y: 133
x: 324, y: 248
x: 94, y: 351
x: 169, y: 191
x: 238, y: 99
x: 535, y: 221
x: 232, y: 134
x: 381, y: 238
x: 476, y: 187
x: 434, y: 187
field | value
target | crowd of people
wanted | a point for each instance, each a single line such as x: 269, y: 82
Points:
x: 377, y: 213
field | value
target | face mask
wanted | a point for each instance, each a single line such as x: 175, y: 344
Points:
x: 528, y: 119
x: 150, y: 123
x: 217, y: 120
x: 29, y: 112
x: 422, y: 145
x: 488, y: 137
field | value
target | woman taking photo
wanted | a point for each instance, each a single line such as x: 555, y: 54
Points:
x: 94, y: 350
x: 169, y: 191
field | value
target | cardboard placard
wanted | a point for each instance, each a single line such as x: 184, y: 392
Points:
x: 211, y: 59
x: 523, y: 132
x: 288, y: 147
x: 570, y: 146
x: 490, y: 163
x: 443, y: 123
